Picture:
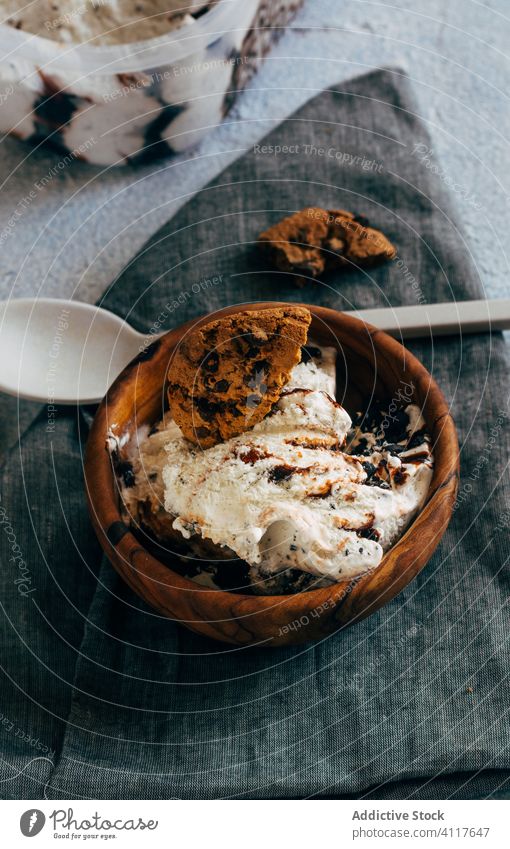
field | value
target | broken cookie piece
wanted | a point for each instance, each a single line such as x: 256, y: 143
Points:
x: 315, y: 240
x: 226, y: 375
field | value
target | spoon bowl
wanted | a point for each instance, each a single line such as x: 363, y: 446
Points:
x: 63, y: 352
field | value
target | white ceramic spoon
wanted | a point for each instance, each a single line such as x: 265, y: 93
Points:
x: 68, y: 352
x: 62, y: 352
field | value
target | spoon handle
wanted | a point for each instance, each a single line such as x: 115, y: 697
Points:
x: 440, y: 319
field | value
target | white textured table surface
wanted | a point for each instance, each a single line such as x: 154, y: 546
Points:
x: 84, y: 226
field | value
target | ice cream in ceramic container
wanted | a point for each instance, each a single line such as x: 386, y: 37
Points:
x: 115, y: 82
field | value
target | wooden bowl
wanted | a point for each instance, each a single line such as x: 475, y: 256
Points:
x: 370, y: 364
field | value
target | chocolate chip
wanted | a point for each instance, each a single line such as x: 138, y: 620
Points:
x: 252, y: 456
x: 369, y: 533
x: 212, y: 361
x: 202, y: 432
x: 375, y: 481
x: 400, y: 476
x: 210, y: 381
x: 396, y: 428
x: 234, y: 410
x: 372, y: 479
x: 207, y: 409
x: 222, y: 386
x: 369, y: 468
x: 281, y: 473
x: 393, y: 449
x: 308, y: 352
x: 125, y: 471
x: 362, y: 447
x: 417, y: 439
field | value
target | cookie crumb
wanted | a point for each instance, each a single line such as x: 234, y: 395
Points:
x: 316, y: 240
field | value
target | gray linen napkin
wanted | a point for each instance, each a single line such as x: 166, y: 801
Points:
x: 103, y: 698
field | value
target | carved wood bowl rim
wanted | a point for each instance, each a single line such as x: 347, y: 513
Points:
x: 271, y: 620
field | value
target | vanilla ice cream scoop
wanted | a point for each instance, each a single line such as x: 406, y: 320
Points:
x: 285, y: 496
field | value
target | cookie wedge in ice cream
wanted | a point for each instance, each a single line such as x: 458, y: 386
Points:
x: 225, y: 376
